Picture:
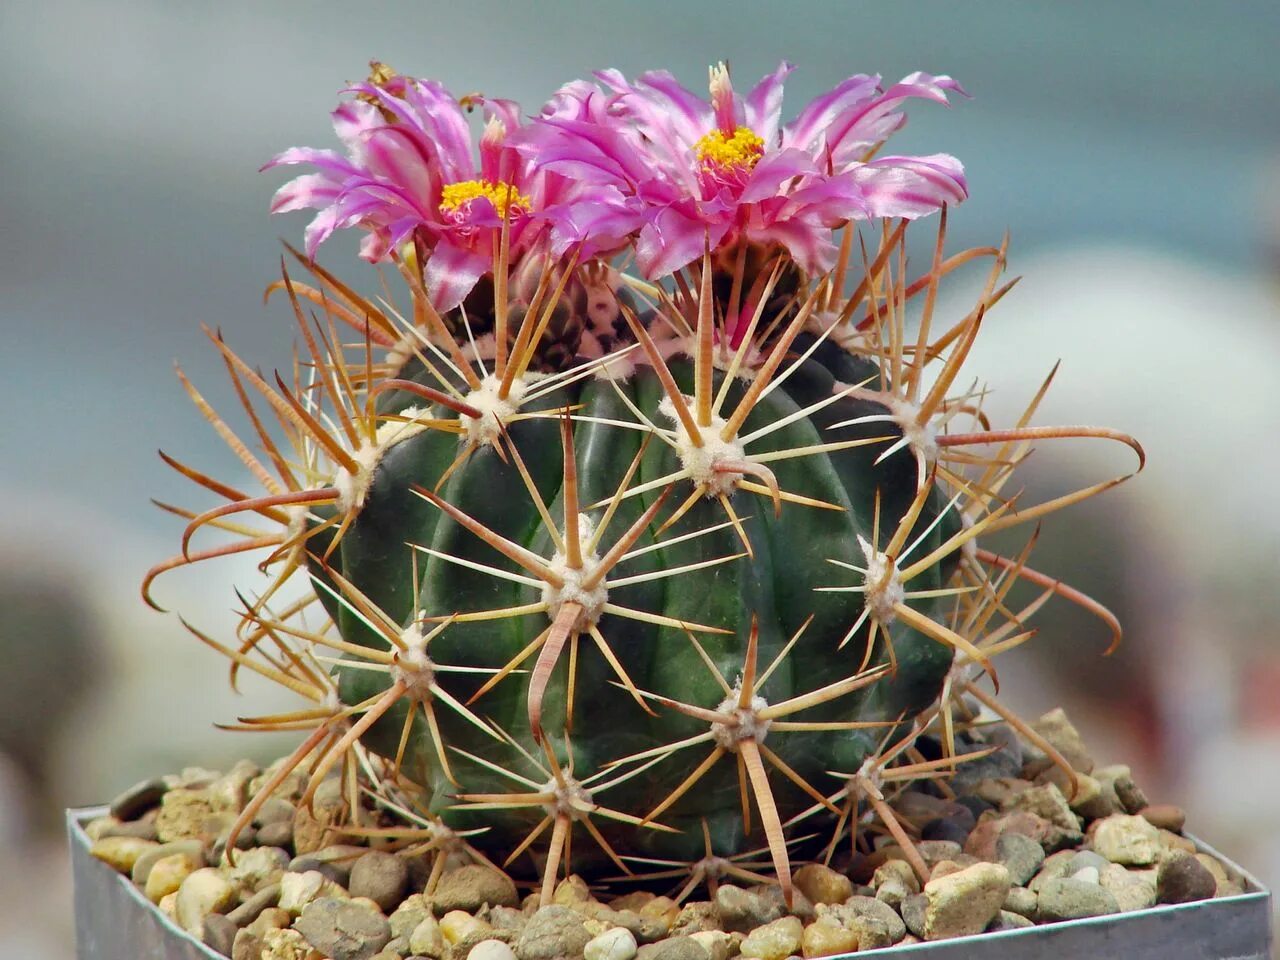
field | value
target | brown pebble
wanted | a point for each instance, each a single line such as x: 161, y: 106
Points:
x: 1184, y: 879
x: 1165, y: 816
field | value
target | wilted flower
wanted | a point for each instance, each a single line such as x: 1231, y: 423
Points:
x: 711, y: 173
x: 410, y: 173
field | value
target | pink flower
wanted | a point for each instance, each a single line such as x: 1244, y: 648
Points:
x: 710, y: 173
x: 410, y: 173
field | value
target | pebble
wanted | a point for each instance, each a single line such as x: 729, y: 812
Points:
x: 1083, y: 860
x: 203, y: 892
x: 279, y: 834
x: 1184, y: 879
x: 894, y: 881
x: 138, y: 799
x: 275, y: 810
x: 744, y: 909
x: 380, y: 876
x: 1047, y: 801
x: 673, y: 948
x: 192, y: 849
x: 1117, y: 780
x: 230, y: 792
x: 964, y: 903
x: 166, y: 876
x: 252, y: 908
x: 776, y: 940
x: 426, y: 938
x: 1164, y: 816
x: 982, y: 841
x: 1127, y: 840
x: 1063, y: 736
x: 913, y: 913
x: 944, y: 829
x: 343, y: 929
x: 696, y: 917
x: 313, y: 828
x: 1068, y: 899
x: 121, y: 853
x: 1217, y: 869
x: 616, y: 943
x: 184, y: 814
x: 825, y: 937
x: 716, y: 943
x: 1133, y: 889
x: 144, y: 829
x: 259, y: 867
x: 471, y: 887
x: 856, y: 909
x: 458, y: 925
x: 1008, y: 920
x: 552, y: 932
x: 822, y: 884
x: 491, y: 950
x: 299, y: 889
x: 287, y: 945
x: 219, y: 934
x: 1020, y: 855
x: 1021, y: 901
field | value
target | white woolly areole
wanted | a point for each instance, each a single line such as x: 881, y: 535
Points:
x: 968, y: 549
x: 884, y: 589
x: 749, y: 726
x: 353, y: 487
x: 846, y: 335
x: 592, y: 600
x: 391, y: 432
x: 922, y: 437
x: 494, y: 411
x: 566, y: 796
x: 700, y: 462
x: 413, y: 666
x: 617, y: 368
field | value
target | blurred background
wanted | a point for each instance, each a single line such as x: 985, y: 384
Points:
x: 1131, y: 149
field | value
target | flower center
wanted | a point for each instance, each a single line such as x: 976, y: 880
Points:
x: 506, y: 199
x: 736, y: 152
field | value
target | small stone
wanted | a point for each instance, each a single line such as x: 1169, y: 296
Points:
x: 230, y: 792
x: 219, y: 934
x: 192, y: 849
x: 853, y: 911
x: 943, y: 829
x: 471, y: 887
x: 1047, y: 801
x: 1020, y: 855
x: 1164, y: 816
x: 287, y: 945
x: 336, y: 859
x: 673, y: 948
x: 1133, y: 889
x: 1008, y: 920
x: 508, y: 918
x: 426, y: 939
x: 1127, y: 840
x: 616, y: 943
x: 774, y: 941
x: 184, y: 814
x: 944, y: 869
x: 1184, y: 879
x: 278, y: 834
x: 1087, y: 875
x: 744, y: 909
x: 571, y: 891
x: 258, y: 868
x: 314, y: 828
x: 825, y: 938
x: 299, y: 889
x: 822, y: 884
x: 491, y: 950
x: 1220, y: 876
x: 275, y: 810
x: 1175, y: 843
x: 663, y: 909
x: 132, y: 803
x: 935, y: 851
x: 166, y: 876
x: 458, y: 925
x: 894, y: 881
x: 982, y: 841
x: 1084, y: 859
x: 272, y: 918
x: 696, y: 917
x: 1063, y: 737
x: 715, y: 942
x: 380, y: 876
x: 551, y: 933
x: 1000, y: 791
x: 203, y: 892
x: 964, y: 903
x: 1117, y: 781
x: 144, y: 829
x: 1021, y: 901
x: 632, y: 901
x: 121, y: 853
x: 914, y: 910
x: 1068, y: 899
x: 343, y: 929
x: 251, y: 909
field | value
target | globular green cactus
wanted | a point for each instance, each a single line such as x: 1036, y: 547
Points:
x: 621, y: 573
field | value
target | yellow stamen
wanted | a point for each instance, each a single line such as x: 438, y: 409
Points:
x: 503, y: 196
x: 740, y: 150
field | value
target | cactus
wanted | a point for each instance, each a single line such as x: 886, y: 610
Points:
x: 616, y: 574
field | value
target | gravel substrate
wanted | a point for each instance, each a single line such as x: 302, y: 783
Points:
x: 1007, y: 844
